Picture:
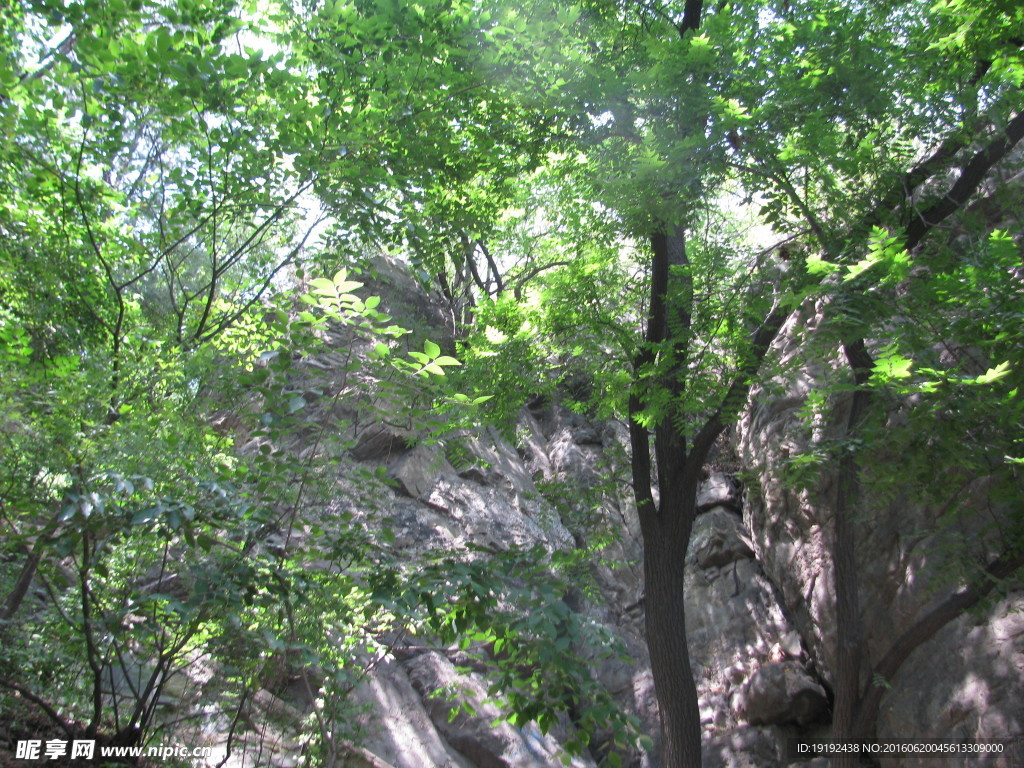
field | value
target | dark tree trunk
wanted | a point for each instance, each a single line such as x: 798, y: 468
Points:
x: 34, y: 557
x: 17, y: 594
x: 665, y: 542
x: 666, y: 526
x: 844, y: 555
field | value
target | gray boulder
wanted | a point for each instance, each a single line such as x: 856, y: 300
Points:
x: 780, y: 692
x: 718, y: 539
x: 719, y: 490
x: 746, y: 747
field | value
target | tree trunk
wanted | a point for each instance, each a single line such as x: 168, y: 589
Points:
x: 846, y: 674
x: 844, y: 558
x: 666, y: 537
x: 17, y: 594
x: 666, y: 526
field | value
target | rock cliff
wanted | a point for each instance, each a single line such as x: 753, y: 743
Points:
x: 965, y: 683
x: 760, y: 597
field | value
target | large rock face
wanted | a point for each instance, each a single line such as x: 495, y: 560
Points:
x: 967, y: 682
x: 749, y: 660
x: 779, y: 692
x: 489, y: 501
x: 759, y: 593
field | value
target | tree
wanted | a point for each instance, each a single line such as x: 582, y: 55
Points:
x: 839, y: 119
x: 163, y: 155
x: 160, y: 181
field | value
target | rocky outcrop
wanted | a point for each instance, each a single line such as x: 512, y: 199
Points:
x: 739, y: 635
x: 964, y: 683
x: 747, y: 747
x: 759, y: 592
x: 719, y: 539
x: 465, y: 715
x: 423, y: 706
x: 417, y: 470
x: 973, y: 689
x: 781, y: 692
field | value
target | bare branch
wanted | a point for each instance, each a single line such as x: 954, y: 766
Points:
x: 971, y: 177
x: 927, y: 627
x: 50, y: 711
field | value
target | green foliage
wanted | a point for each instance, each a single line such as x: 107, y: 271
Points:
x: 511, y: 612
x: 150, y: 533
x: 168, y: 170
x: 946, y: 382
x: 168, y: 545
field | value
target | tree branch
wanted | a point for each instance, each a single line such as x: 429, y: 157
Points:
x: 971, y: 177
x: 739, y: 389
x: 521, y: 281
x: 926, y: 628
x: 499, y: 286
x: 50, y: 711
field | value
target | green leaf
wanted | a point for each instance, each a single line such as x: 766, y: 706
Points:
x: 147, y: 515
x: 861, y: 267
x: 818, y: 266
x: 994, y: 374
x: 322, y: 284
x: 893, y: 366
